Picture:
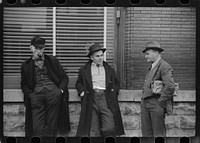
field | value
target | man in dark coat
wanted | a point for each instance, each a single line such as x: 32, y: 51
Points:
x: 45, y: 87
x: 155, y: 103
x: 98, y: 88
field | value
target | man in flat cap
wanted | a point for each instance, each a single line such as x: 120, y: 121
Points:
x: 45, y: 87
x: 98, y: 89
x: 157, y: 95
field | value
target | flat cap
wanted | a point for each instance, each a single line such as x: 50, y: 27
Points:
x: 38, y: 42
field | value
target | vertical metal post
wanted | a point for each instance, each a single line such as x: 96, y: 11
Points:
x: 105, y: 30
x: 54, y: 31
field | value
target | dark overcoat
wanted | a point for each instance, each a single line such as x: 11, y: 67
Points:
x: 59, y: 77
x: 84, y: 83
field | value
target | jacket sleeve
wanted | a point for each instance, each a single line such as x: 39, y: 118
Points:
x: 24, y: 84
x: 79, y: 83
x: 168, y: 83
x: 116, y: 83
x: 63, y: 77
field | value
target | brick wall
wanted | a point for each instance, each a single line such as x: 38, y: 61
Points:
x: 182, y: 123
x: 174, y: 28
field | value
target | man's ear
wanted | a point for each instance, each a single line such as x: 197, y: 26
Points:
x: 91, y: 57
x: 157, y: 53
x: 31, y: 47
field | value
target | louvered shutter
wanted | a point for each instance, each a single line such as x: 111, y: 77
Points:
x: 76, y: 28
x: 20, y: 24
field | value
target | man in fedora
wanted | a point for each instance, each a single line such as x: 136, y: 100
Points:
x: 45, y: 87
x: 98, y: 89
x: 155, y: 103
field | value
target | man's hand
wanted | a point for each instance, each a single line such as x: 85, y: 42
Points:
x: 82, y: 94
x: 61, y: 91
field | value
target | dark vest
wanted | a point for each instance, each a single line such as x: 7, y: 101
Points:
x: 42, y: 79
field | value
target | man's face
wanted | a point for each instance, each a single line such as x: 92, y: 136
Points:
x: 37, y: 53
x: 97, y: 57
x: 151, y: 55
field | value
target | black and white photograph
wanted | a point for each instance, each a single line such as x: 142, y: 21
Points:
x: 99, y: 71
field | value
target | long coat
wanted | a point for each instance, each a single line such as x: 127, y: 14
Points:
x: 164, y: 72
x: 84, y: 83
x: 59, y: 77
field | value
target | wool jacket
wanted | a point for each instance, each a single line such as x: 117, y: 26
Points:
x: 163, y: 72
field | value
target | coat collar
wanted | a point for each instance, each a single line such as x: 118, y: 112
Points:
x: 158, y: 64
x: 88, y: 75
x: 155, y: 63
x: 155, y: 69
x: 29, y: 67
x: 108, y: 73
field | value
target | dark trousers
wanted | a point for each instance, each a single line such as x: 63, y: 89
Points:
x: 45, y: 106
x: 102, y: 123
x: 152, y: 118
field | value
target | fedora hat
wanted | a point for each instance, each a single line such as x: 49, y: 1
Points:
x: 95, y: 48
x: 38, y: 42
x: 153, y: 45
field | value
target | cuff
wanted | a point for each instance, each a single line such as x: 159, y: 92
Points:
x: 61, y: 90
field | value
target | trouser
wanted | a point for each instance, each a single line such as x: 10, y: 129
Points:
x: 102, y: 123
x: 45, y: 107
x: 152, y: 118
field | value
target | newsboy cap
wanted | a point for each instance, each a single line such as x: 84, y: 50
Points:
x: 154, y: 45
x: 38, y: 42
x: 94, y: 48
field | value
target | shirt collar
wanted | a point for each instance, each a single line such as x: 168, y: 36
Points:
x: 93, y: 64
